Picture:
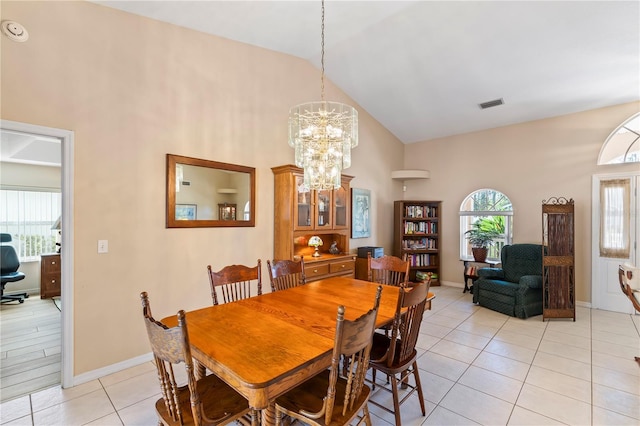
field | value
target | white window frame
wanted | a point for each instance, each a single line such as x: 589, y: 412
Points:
x: 468, y: 217
x: 615, y: 219
x: 30, y: 217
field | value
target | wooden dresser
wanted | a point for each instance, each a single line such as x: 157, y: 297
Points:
x: 329, y: 265
x: 50, y: 272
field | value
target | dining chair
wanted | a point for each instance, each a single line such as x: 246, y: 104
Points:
x: 388, y: 270
x: 235, y: 282
x: 286, y: 273
x: 396, y: 355
x: 629, y: 277
x: 332, y: 396
x: 208, y: 401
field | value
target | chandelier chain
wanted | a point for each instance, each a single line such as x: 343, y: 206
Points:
x: 322, y: 134
x: 322, y: 56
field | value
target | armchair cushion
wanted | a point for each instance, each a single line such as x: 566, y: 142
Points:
x: 516, y: 288
x: 531, y: 281
x: 495, y: 273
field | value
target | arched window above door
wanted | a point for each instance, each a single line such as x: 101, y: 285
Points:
x: 623, y: 144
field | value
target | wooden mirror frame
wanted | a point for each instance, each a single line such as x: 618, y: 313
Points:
x: 172, y: 222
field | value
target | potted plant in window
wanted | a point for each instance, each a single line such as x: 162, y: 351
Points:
x: 481, y: 236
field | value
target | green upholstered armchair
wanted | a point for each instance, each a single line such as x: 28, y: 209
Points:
x: 516, y: 288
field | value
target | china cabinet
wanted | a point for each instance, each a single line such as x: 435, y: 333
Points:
x: 301, y: 213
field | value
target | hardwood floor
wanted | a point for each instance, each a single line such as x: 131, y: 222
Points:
x: 30, y: 346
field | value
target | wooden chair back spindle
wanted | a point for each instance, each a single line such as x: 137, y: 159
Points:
x: 407, y: 321
x: 234, y: 282
x: 285, y: 274
x: 388, y: 270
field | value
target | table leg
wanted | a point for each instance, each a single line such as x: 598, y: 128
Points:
x: 269, y: 415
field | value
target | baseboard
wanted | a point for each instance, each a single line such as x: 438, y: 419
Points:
x: 110, y: 369
x: 583, y: 304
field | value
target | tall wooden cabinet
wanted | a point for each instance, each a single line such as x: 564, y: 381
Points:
x: 301, y: 213
x: 558, y: 259
x: 417, y: 236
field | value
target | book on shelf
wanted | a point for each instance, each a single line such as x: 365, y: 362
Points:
x: 423, y: 259
x: 420, y: 227
x: 420, y: 211
x: 420, y: 244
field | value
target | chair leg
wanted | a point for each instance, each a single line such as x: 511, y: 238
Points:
x: 396, y: 399
x: 14, y: 297
x: 367, y: 417
x: 404, y: 380
x: 419, y: 386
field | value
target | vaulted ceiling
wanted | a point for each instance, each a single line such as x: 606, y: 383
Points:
x: 422, y: 68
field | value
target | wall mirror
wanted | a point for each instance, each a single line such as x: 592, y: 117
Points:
x: 203, y: 193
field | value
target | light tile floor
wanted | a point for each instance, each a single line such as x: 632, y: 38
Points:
x: 29, y: 346
x: 477, y: 367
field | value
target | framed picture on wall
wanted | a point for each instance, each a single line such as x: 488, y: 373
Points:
x: 186, y: 211
x: 360, y: 210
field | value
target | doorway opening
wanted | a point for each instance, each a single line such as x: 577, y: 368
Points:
x: 30, y: 156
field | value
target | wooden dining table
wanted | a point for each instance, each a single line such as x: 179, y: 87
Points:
x: 265, y: 345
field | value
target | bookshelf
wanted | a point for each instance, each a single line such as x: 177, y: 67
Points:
x: 416, y: 237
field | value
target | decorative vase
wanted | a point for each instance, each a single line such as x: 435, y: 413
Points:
x: 479, y: 253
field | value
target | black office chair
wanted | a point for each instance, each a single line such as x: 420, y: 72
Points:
x: 9, y: 264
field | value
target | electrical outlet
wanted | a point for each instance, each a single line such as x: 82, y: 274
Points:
x: 103, y: 246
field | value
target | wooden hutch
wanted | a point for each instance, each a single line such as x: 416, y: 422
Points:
x: 301, y: 213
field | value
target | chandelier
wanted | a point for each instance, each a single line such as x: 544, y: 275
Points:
x: 322, y: 134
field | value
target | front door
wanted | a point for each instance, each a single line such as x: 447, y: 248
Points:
x: 615, y: 237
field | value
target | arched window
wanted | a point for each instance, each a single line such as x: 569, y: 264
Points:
x: 491, y: 209
x: 247, y: 211
x: 623, y: 144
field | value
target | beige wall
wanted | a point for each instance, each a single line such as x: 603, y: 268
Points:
x: 529, y: 163
x: 133, y: 90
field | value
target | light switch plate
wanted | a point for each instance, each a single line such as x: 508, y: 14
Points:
x: 103, y: 246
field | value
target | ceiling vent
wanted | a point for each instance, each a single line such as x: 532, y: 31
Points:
x: 491, y: 104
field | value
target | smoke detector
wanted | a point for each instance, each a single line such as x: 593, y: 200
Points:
x: 15, y: 31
